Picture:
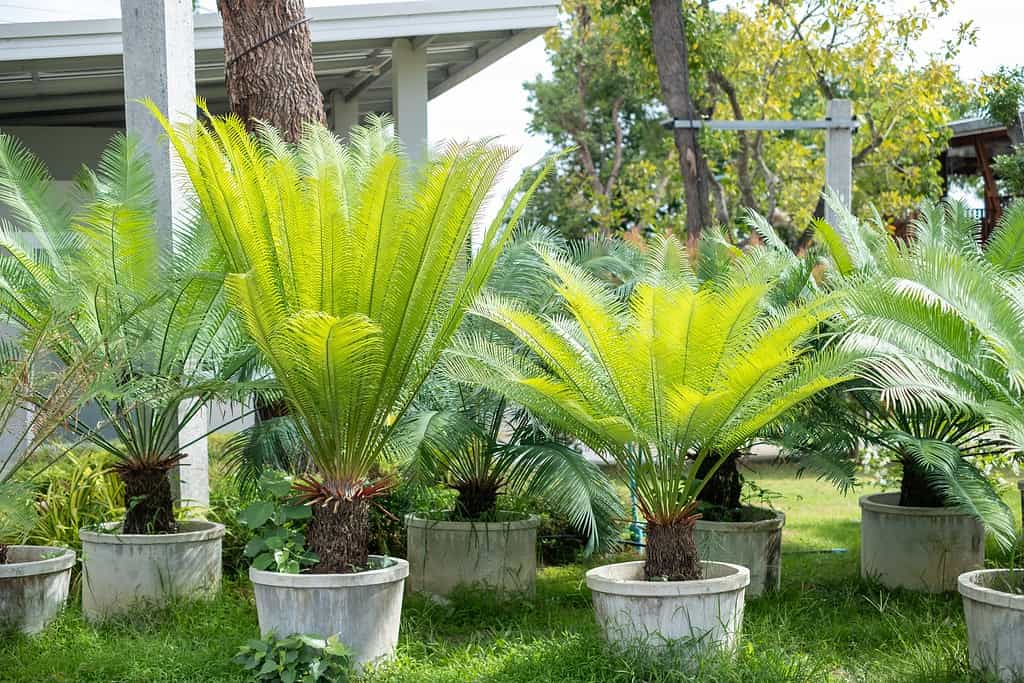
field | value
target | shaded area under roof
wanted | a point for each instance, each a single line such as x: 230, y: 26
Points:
x: 69, y: 73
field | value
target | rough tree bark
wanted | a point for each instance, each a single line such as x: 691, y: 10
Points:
x: 268, y: 64
x: 339, y: 533
x: 671, y: 553
x: 725, y: 485
x: 671, y: 53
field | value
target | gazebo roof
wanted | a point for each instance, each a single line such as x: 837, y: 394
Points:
x: 69, y: 73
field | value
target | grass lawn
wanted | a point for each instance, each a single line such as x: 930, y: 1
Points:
x: 824, y: 625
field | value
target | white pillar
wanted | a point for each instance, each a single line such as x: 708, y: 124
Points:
x: 344, y: 113
x: 409, y: 95
x: 839, y: 154
x: 159, y: 63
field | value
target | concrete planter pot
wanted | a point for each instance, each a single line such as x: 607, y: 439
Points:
x: 699, y: 615
x: 120, y: 572
x: 754, y: 545
x: 33, y: 586
x: 363, y: 609
x: 501, y: 556
x: 923, y: 549
x: 995, y: 622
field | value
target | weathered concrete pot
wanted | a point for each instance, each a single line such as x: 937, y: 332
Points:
x: 363, y: 609
x: 120, y: 572
x: 33, y: 586
x: 754, y: 545
x: 704, y: 614
x: 922, y: 549
x: 995, y: 622
x: 498, y: 555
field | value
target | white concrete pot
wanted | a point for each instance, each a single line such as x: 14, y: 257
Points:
x: 33, y: 586
x: 498, y: 555
x: 652, y: 615
x: 120, y: 572
x: 922, y: 549
x: 995, y: 623
x: 754, y: 545
x: 363, y: 609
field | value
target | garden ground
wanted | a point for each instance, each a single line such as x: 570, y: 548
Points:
x: 826, y: 624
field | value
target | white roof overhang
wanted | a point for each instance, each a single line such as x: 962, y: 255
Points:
x: 70, y: 72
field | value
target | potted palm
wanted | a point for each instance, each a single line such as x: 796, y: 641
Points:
x: 36, y: 399
x: 932, y: 297
x: 351, y: 270
x: 163, y: 322
x: 682, y: 373
x: 479, y: 445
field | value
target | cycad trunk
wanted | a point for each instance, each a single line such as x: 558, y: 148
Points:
x: 671, y: 552
x: 475, y: 500
x: 339, y: 533
x: 915, y: 491
x: 149, y: 505
x: 3, y: 553
x: 725, y: 485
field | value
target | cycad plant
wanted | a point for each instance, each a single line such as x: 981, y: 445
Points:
x: 37, y: 398
x: 480, y: 445
x: 942, y: 314
x: 158, y: 316
x: 351, y: 269
x: 680, y: 375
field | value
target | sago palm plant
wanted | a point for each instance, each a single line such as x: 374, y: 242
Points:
x: 158, y: 316
x: 351, y: 269
x: 681, y: 374
x: 942, y: 314
x: 480, y: 445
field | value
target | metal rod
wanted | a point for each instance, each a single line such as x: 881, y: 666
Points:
x: 766, y: 124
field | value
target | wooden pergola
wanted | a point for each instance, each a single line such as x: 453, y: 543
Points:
x: 975, y: 142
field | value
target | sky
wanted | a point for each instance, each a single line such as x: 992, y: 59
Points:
x: 493, y: 102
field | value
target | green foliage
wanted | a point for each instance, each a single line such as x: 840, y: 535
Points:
x: 940, y: 314
x: 157, y: 323
x: 760, y: 59
x: 80, y: 491
x: 17, y: 514
x: 277, y: 522
x: 682, y: 373
x: 1009, y: 168
x: 1003, y: 94
x: 350, y: 269
x: 295, y: 659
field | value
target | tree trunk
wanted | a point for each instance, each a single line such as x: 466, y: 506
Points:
x: 339, y: 533
x: 672, y: 553
x: 671, y: 53
x: 3, y: 553
x: 149, y: 505
x: 725, y: 486
x: 475, y: 500
x: 915, y: 491
x: 268, y: 64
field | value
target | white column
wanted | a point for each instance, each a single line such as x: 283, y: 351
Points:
x: 344, y: 113
x: 409, y: 95
x: 839, y: 154
x: 159, y: 63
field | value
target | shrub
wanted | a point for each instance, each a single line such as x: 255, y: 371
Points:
x: 296, y: 659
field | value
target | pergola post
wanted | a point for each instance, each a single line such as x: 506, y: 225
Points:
x: 159, y: 63
x: 839, y: 155
x: 409, y: 95
x: 343, y: 113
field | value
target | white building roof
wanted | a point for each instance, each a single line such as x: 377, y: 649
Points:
x: 69, y: 72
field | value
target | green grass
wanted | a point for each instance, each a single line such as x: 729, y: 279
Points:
x: 824, y: 625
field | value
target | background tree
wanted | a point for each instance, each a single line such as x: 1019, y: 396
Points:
x: 762, y: 59
x: 268, y: 64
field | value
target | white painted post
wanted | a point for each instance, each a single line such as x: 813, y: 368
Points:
x: 409, y: 94
x: 839, y: 154
x: 344, y: 113
x: 159, y: 63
